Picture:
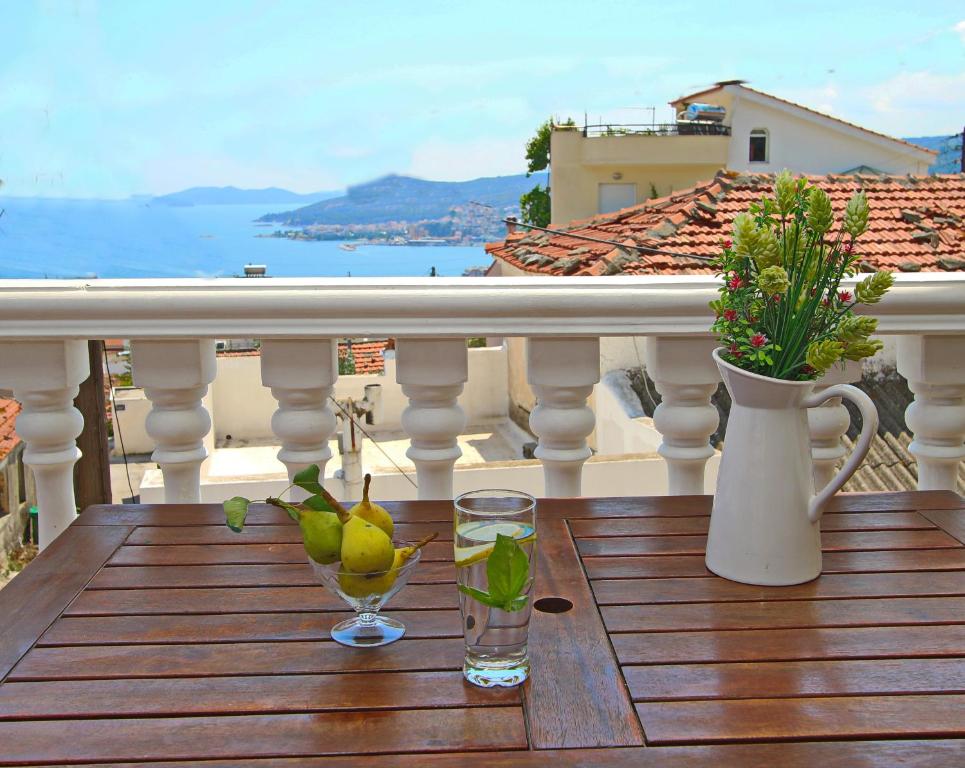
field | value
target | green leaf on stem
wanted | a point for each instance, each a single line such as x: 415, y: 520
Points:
x: 307, y: 479
x: 236, y: 510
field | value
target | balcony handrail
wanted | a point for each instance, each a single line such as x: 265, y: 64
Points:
x: 676, y: 305
x: 682, y: 128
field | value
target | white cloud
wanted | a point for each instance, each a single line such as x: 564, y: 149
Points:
x: 959, y: 29
x: 918, y: 103
x: 442, y: 160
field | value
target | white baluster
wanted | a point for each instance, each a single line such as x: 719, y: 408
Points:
x: 686, y: 377
x: 45, y: 377
x: 562, y: 372
x: 935, y: 369
x: 301, y: 374
x: 175, y: 376
x: 828, y: 423
x: 432, y: 373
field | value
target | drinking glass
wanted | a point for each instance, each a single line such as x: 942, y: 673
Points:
x: 496, y: 651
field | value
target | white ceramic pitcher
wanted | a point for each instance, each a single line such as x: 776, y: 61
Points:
x: 765, y: 527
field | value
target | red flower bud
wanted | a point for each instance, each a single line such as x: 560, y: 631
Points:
x: 735, y: 351
x: 848, y: 247
x: 735, y: 282
x: 758, y: 340
x: 844, y: 296
x: 730, y: 315
x: 727, y: 243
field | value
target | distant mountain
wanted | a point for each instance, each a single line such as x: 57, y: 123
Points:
x: 235, y: 196
x: 949, y: 149
x: 405, y: 198
x: 928, y: 142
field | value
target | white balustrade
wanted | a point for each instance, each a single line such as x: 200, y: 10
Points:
x: 301, y: 374
x: 935, y: 369
x: 562, y: 373
x: 828, y: 423
x: 432, y: 373
x: 686, y: 377
x: 44, y: 326
x: 45, y: 377
x: 175, y: 375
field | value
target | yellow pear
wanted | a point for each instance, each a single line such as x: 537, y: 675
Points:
x: 321, y: 534
x: 374, y: 513
x: 361, y: 585
x: 365, y: 548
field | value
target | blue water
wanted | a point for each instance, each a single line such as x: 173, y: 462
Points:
x: 127, y: 238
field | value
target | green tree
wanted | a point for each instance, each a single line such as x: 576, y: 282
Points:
x: 535, y: 204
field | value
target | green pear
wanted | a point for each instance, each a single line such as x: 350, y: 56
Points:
x: 321, y: 534
x: 365, y: 548
x: 373, y: 513
x: 362, y: 585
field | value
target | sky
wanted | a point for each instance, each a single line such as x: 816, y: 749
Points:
x: 109, y: 98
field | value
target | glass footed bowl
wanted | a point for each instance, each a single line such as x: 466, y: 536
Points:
x: 366, y: 593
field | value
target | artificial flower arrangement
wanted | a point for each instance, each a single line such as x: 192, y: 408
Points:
x: 782, y: 311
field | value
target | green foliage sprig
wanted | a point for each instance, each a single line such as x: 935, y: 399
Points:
x: 236, y: 508
x: 507, y: 571
x: 782, y: 312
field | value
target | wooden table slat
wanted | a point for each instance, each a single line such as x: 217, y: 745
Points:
x: 790, y: 644
x: 231, y: 627
x: 835, y: 541
x: 834, y: 562
x: 244, y: 695
x: 712, y: 590
x: 191, y: 738
x: 784, y: 614
x: 757, y: 680
x: 109, y: 602
x: 268, y: 575
x: 858, y: 717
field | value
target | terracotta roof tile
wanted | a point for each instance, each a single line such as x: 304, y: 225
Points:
x: 915, y: 221
x: 8, y: 437
x: 368, y: 354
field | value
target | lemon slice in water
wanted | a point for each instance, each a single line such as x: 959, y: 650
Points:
x: 486, y: 533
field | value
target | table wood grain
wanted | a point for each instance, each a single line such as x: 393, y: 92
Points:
x: 153, y: 636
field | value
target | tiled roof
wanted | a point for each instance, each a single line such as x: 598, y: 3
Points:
x: 8, y: 415
x: 690, y: 97
x: 367, y: 354
x: 916, y: 224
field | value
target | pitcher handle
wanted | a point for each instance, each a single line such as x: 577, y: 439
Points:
x: 869, y: 425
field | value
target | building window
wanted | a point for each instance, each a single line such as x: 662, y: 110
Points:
x: 758, y: 146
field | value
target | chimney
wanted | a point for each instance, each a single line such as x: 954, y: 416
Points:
x: 511, y: 222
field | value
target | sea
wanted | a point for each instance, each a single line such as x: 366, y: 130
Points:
x: 58, y: 238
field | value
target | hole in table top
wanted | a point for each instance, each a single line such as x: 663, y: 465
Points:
x: 553, y: 605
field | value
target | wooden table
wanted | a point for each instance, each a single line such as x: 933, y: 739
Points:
x: 153, y: 633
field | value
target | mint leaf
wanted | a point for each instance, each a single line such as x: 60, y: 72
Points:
x: 236, y: 510
x: 516, y: 604
x: 307, y: 479
x: 478, y: 595
x: 318, y: 503
x: 507, y: 570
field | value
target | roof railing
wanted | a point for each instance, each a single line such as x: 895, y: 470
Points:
x: 682, y: 128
